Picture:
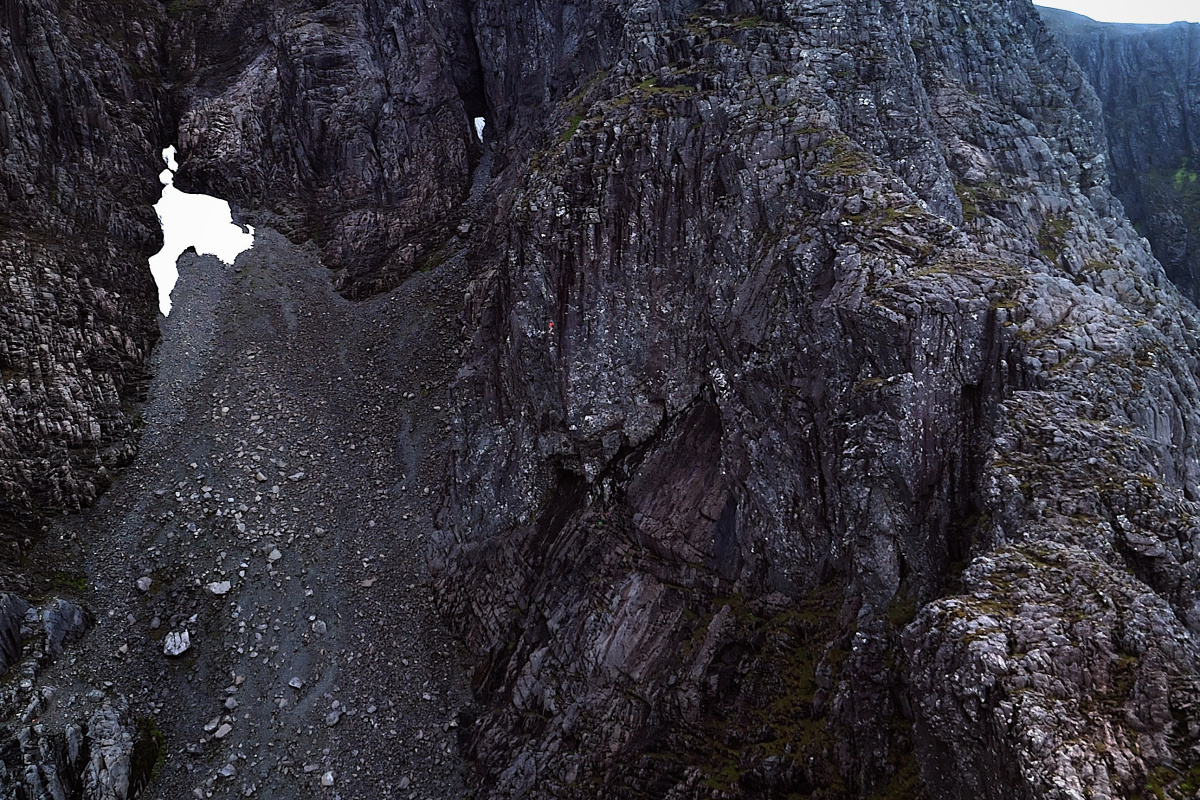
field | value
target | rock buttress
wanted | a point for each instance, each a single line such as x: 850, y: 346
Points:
x: 81, y: 117
x: 351, y: 122
x: 815, y: 375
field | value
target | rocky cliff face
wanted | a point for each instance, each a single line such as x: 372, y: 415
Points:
x: 83, y: 113
x: 825, y: 429
x: 351, y: 121
x: 81, y: 117
x: 797, y: 312
x: 1146, y: 76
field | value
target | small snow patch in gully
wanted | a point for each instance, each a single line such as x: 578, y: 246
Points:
x: 480, y: 122
x: 192, y: 220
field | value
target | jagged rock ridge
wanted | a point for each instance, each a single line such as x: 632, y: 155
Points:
x: 351, y: 121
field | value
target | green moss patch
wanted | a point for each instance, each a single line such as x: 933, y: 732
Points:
x: 1051, y: 237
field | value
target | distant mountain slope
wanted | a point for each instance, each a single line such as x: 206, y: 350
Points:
x: 1148, y: 79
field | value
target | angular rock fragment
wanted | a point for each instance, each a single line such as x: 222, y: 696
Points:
x: 64, y: 623
x: 177, y: 643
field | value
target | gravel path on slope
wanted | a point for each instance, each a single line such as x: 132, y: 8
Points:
x: 280, y: 509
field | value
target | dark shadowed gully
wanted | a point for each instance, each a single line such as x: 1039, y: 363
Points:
x: 778, y: 404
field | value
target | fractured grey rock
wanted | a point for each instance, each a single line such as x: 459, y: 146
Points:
x: 91, y: 761
x: 177, y: 643
x: 76, y: 299
x: 110, y: 736
x: 1152, y: 119
x: 64, y: 623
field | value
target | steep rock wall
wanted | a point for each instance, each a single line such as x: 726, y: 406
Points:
x: 81, y: 112
x: 351, y: 121
x: 794, y: 312
x: 1148, y: 77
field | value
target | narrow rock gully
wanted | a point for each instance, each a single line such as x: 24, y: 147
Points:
x: 280, y: 509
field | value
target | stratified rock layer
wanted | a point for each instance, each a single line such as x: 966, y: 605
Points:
x: 1146, y: 76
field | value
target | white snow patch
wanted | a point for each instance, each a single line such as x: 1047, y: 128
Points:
x: 480, y: 122
x: 192, y: 220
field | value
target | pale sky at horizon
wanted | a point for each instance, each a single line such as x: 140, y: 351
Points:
x: 192, y: 220
x: 1146, y: 11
